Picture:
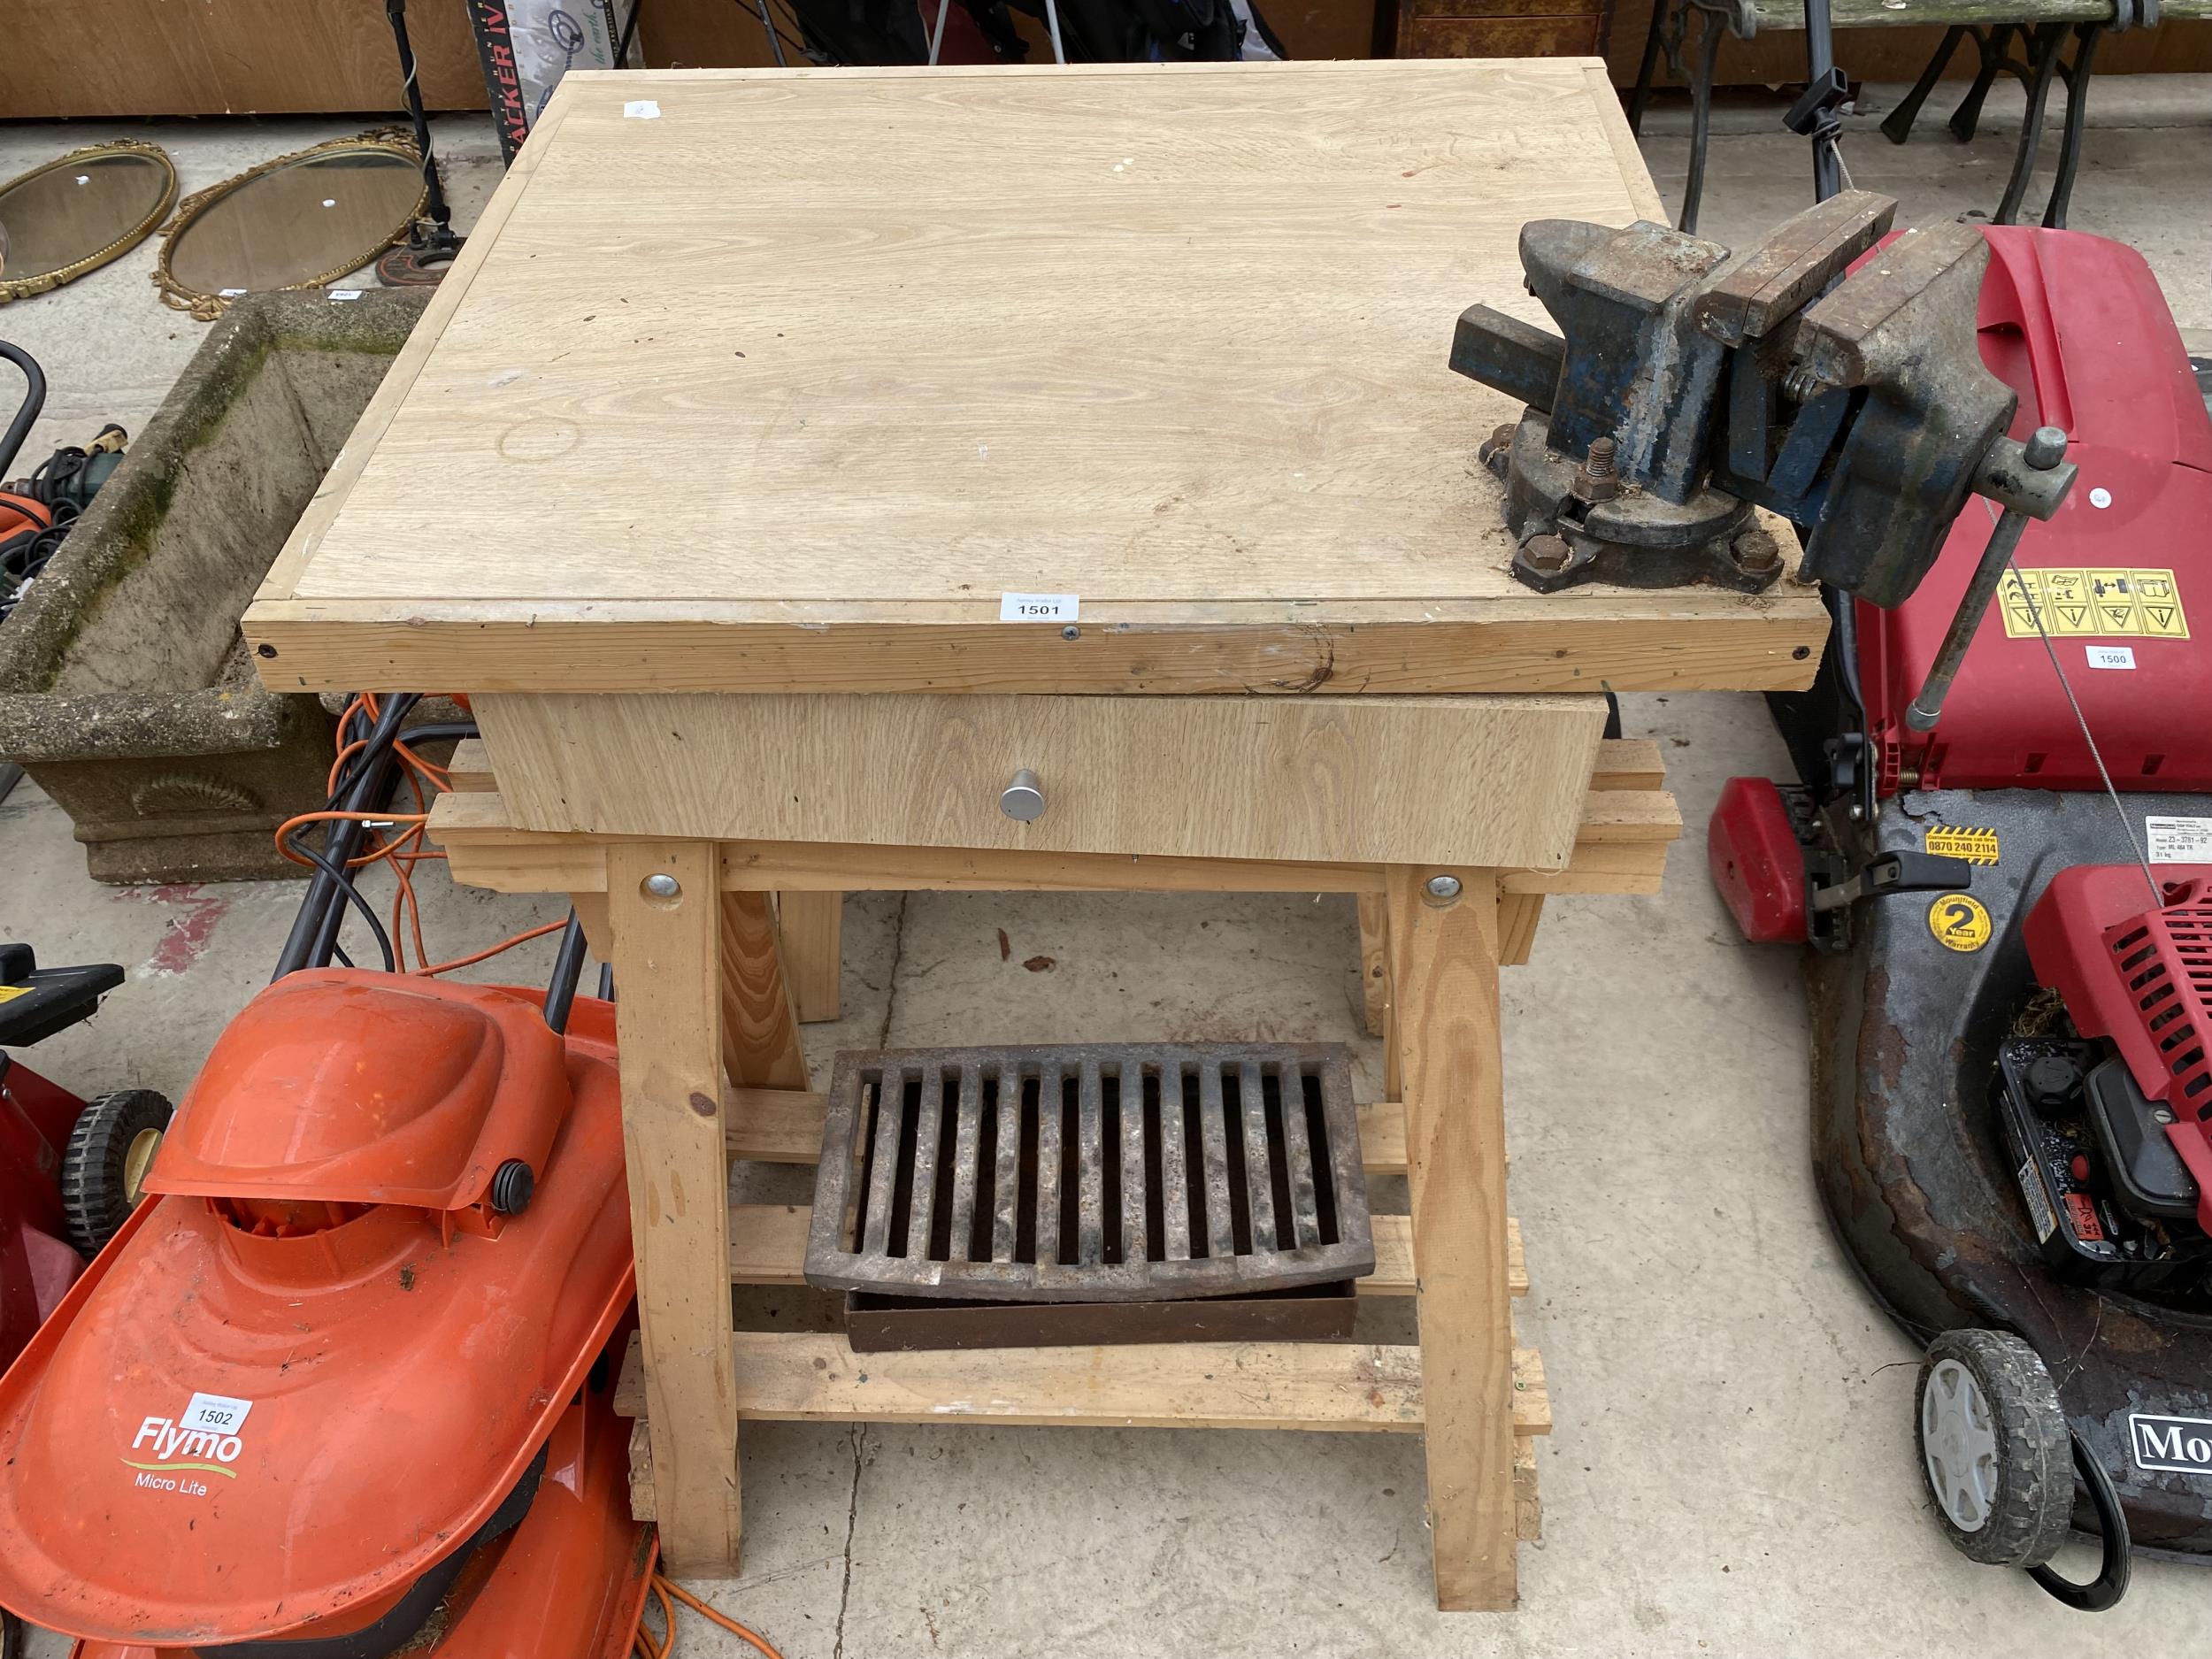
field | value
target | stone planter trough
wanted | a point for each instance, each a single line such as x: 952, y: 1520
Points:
x: 125, y: 686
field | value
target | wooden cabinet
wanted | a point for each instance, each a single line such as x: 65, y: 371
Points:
x: 1501, y: 28
x: 128, y: 57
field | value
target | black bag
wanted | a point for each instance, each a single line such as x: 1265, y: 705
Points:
x: 855, y: 32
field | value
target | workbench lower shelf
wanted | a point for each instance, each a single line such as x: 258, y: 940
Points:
x: 815, y: 1377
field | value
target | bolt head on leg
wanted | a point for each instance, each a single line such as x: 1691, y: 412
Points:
x: 1443, y: 889
x: 663, y: 887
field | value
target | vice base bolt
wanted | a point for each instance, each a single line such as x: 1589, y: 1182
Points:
x: 1443, y: 887
x: 663, y: 887
x: 1598, y: 479
x: 1547, y: 553
x: 1756, y: 552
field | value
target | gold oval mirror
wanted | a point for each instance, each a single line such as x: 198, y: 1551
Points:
x: 78, y: 212
x: 295, y: 222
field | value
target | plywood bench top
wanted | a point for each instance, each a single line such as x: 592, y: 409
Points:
x: 767, y: 380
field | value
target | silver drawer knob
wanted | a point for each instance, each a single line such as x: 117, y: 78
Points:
x: 1024, y: 798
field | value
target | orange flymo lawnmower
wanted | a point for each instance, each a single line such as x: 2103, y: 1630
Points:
x: 342, y: 1387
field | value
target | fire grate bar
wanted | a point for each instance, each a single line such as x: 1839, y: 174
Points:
x: 1090, y: 1172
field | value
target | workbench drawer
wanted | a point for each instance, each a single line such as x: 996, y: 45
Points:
x: 1434, y: 780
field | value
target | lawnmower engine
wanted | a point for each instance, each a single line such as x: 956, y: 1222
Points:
x: 344, y: 1389
x: 2106, y: 1110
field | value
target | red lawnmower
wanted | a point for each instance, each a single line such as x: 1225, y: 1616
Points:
x: 2009, y: 911
x: 70, y: 1168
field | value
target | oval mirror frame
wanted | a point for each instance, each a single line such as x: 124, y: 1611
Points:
x: 208, y: 307
x: 23, y: 287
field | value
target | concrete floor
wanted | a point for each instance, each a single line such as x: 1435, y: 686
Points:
x: 1731, y: 1468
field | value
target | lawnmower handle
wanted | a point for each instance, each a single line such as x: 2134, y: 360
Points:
x: 34, y: 400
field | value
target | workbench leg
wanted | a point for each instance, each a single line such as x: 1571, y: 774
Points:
x: 1374, y: 961
x: 760, y: 1028
x: 1517, y: 916
x: 591, y: 910
x: 668, y: 1023
x: 810, y: 927
x: 1394, y: 1084
x: 1444, y: 1007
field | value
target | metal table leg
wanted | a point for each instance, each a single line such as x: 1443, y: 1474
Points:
x: 2085, y: 38
x: 1655, y: 39
x: 1701, y: 113
x: 1897, y: 125
x: 1816, y: 114
x: 775, y: 35
x: 2048, y: 39
x: 1994, y: 45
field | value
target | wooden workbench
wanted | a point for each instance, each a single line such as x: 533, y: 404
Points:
x: 754, y: 391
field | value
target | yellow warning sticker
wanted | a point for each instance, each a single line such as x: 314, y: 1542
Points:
x: 1959, y: 923
x: 2113, y: 604
x: 9, y: 992
x: 1956, y: 841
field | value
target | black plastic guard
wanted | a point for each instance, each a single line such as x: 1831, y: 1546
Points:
x: 1911, y: 1160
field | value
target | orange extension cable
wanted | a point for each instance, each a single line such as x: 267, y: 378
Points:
x: 401, y: 852
x: 662, y: 1586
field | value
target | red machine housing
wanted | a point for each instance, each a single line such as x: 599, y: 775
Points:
x: 2075, y: 325
x: 2139, y: 976
x: 37, y: 1262
x: 1758, y: 867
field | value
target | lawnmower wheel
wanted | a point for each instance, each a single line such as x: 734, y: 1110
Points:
x: 109, y: 1151
x: 1993, y: 1447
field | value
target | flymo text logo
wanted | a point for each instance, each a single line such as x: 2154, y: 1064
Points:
x: 2183, y: 1445
x: 204, y: 1439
